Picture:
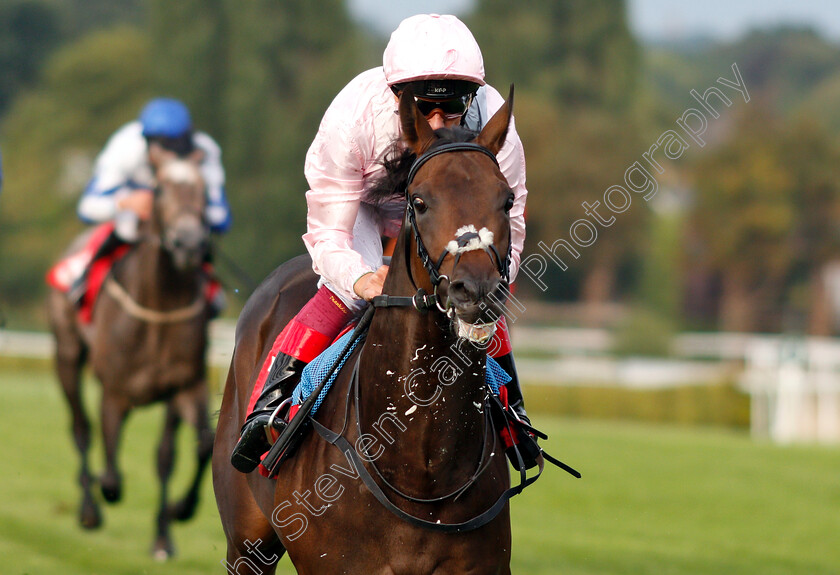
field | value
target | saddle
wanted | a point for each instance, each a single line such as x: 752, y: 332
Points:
x: 81, y: 274
x: 302, y: 420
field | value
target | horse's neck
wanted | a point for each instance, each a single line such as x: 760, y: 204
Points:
x: 148, y: 274
x: 422, y: 391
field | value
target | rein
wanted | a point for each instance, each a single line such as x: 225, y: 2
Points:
x: 423, y: 302
x: 137, y: 311
x: 148, y: 315
x: 339, y: 441
x: 482, y: 463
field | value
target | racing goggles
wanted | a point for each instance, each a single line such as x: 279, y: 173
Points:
x: 181, y: 145
x: 451, y: 108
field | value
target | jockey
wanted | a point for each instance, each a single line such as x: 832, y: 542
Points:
x: 124, y: 174
x: 441, y: 61
x: 123, y: 179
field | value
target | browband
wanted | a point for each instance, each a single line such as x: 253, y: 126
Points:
x: 443, y: 149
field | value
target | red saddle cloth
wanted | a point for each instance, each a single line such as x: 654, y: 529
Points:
x: 64, y: 275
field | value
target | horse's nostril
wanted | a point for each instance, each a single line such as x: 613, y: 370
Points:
x: 462, y: 291
x: 500, y: 291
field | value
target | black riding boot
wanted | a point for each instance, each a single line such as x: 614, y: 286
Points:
x: 254, y: 438
x: 525, y: 442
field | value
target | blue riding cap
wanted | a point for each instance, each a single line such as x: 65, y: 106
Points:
x: 165, y: 118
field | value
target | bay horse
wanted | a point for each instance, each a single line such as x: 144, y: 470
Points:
x: 413, y: 405
x: 145, y: 343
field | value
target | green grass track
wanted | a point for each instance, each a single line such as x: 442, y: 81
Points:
x: 654, y: 499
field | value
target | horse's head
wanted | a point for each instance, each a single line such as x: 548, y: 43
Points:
x: 180, y: 200
x: 458, y: 207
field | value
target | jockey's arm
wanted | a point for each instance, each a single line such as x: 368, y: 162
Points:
x: 218, y: 209
x: 371, y: 284
x: 334, y: 169
x: 113, y: 180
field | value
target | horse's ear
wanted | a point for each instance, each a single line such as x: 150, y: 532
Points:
x: 158, y: 155
x: 494, y: 133
x: 416, y: 131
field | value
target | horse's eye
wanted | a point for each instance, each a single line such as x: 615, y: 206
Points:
x: 509, y: 204
x: 419, y: 204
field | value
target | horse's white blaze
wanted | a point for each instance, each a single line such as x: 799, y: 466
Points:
x: 483, y: 241
x: 181, y: 172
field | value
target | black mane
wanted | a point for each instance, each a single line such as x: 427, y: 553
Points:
x: 390, y: 187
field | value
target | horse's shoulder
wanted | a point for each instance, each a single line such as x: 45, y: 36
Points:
x: 279, y: 297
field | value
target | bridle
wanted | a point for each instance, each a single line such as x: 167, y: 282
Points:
x: 161, y: 227
x: 421, y: 300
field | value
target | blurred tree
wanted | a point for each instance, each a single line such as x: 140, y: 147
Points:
x: 574, y: 63
x: 780, y: 66
x: 189, y: 49
x: 659, y: 283
x: 814, y: 162
x: 286, y: 61
x: 257, y: 76
x: 87, y: 91
x: 577, y: 52
x: 29, y: 30
x: 745, y: 213
x: 80, y: 17
x: 820, y: 106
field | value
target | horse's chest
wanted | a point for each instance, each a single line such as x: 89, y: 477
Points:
x: 152, y: 359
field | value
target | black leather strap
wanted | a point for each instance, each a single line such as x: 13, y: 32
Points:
x: 478, y: 521
x: 420, y: 301
x: 445, y: 148
x: 431, y: 267
x: 274, y: 458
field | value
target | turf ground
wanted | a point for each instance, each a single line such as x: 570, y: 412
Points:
x: 654, y: 499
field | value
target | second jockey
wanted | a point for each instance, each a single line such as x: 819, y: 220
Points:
x: 121, y: 189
